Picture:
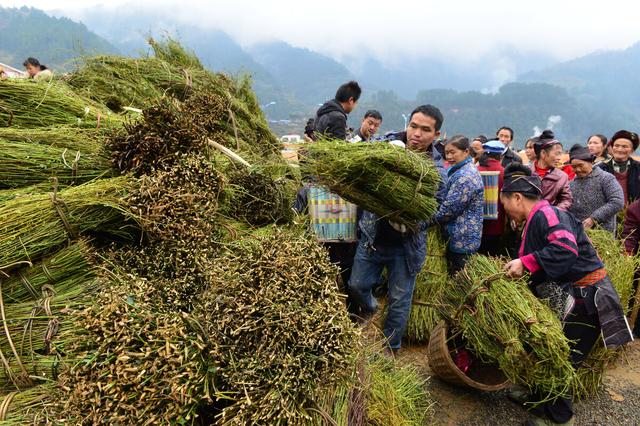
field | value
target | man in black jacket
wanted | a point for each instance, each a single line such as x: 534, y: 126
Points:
x: 505, y: 135
x: 331, y: 118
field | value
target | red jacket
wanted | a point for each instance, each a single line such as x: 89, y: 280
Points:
x: 494, y: 227
x: 555, y: 187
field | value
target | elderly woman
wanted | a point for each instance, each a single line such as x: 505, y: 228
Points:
x: 625, y: 169
x: 460, y: 214
x: 597, y: 195
x: 561, y: 261
x: 555, y: 182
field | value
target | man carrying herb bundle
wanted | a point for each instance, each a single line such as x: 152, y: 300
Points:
x: 385, y: 244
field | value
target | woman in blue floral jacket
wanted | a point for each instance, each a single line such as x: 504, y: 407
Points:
x: 460, y: 214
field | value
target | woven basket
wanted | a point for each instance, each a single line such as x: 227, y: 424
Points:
x: 486, y: 378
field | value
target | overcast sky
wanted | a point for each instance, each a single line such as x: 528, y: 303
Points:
x: 457, y: 29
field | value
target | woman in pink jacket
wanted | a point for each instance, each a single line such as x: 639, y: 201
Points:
x: 555, y: 182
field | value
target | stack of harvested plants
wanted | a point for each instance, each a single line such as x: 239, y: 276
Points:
x: 71, y: 138
x: 25, y: 164
x: 34, y: 225
x: 64, y: 271
x: 29, y: 104
x: 502, y: 322
x: 277, y: 328
x: 394, y: 183
x: 618, y: 265
x: 430, y: 284
x: 396, y: 394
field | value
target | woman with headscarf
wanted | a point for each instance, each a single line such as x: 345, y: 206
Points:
x: 597, y: 145
x: 625, y: 169
x: 564, y: 267
x: 460, y: 214
x: 597, y: 196
x: 555, y: 182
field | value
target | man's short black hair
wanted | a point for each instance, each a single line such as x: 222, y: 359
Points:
x: 506, y: 128
x: 347, y: 91
x: 374, y: 114
x: 430, y: 111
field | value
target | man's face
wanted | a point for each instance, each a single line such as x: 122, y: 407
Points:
x: 421, y: 132
x: 504, y: 136
x: 370, y: 126
x: 622, y: 149
x: 350, y: 105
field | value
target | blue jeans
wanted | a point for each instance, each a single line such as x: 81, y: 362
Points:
x: 365, y: 275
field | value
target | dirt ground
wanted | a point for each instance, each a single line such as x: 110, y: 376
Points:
x: 618, y: 403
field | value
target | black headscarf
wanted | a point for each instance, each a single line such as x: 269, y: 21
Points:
x: 518, y: 178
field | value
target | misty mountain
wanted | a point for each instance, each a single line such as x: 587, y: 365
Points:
x: 609, y: 78
x: 308, y: 75
x: 28, y: 32
x: 407, y: 76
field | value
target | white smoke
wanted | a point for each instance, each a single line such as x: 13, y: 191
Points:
x: 552, y: 122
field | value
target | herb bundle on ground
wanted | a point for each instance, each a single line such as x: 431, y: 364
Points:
x: 71, y: 138
x: 392, y: 182
x: 502, y: 322
x: 134, y: 365
x: 31, y: 104
x: 35, y: 225
x: 618, y: 265
x: 396, y: 395
x: 29, y: 343
x: 430, y: 283
x: 277, y: 327
x: 65, y: 270
x: 25, y: 164
x: 258, y: 199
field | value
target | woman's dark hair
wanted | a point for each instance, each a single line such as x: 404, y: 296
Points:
x: 483, y: 160
x: 34, y: 63
x: 481, y: 138
x: 545, y: 142
x: 459, y: 141
x: 603, y: 139
x: 533, y: 141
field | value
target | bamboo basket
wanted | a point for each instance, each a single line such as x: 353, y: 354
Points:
x: 488, y: 378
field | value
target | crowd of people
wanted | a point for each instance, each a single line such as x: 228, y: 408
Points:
x: 492, y: 202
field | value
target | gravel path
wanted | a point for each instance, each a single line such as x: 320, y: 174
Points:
x: 617, y: 404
